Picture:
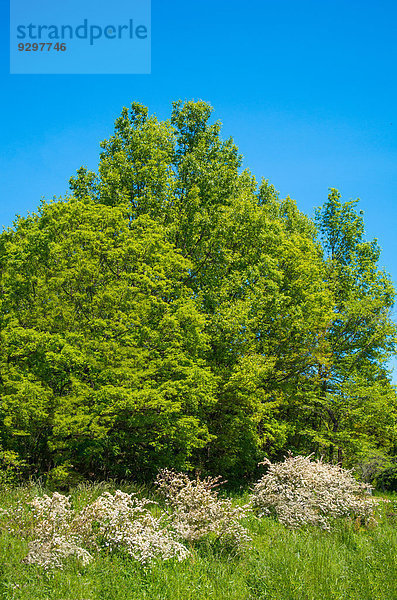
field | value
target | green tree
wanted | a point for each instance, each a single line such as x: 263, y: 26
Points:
x: 173, y: 312
x: 357, y: 406
x: 101, y: 343
x: 256, y: 269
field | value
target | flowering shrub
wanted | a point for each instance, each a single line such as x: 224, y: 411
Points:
x: 55, y: 537
x: 302, y: 491
x: 298, y: 491
x: 122, y: 521
x: 198, y: 512
x: 112, y: 522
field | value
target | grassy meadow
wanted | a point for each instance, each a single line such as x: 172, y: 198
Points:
x: 349, y: 563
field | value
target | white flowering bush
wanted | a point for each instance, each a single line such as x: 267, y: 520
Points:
x: 55, y: 537
x: 122, y: 521
x: 118, y: 521
x: 301, y: 491
x: 198, y: 512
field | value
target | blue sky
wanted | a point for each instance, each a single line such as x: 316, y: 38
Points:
x: 307, y: 89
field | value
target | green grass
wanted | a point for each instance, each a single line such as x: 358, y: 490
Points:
x: 283, y: 565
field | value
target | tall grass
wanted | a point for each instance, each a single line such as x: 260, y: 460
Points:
x: 347, y: 563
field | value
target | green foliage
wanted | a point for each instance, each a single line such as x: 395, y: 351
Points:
x: 11, y: 467
x: 386, y: 478
x: 63, y: 477
x: 102, y: 345
x: 173, y: 313
x: 357, y: 406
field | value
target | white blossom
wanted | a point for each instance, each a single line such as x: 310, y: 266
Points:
x: 118, y: 521
x: 302, y: 491
x: 198, y: 512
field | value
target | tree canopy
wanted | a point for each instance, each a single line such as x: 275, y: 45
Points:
x: 173, y: 312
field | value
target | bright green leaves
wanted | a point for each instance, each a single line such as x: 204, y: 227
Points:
x: 356, y: 391
x: 108, y: 333
x: 174, y: 313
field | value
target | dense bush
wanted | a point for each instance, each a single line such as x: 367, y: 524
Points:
x: 11, y: 467
x: 121, y: 522
x: 301, y: 491
x: 116, y: 521
x: 198, y: 512
x: 55, y: 536
x: 298, y: 492
x: 386, y: 478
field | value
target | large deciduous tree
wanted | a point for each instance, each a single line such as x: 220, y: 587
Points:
x: 173, y: 312
x: 256, y: 274
x: 101, y: 343
x: 357, y: 402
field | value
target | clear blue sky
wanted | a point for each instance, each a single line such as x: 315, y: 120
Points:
x: 307, y: 89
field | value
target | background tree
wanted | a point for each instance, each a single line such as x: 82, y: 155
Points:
x: 357, y: 401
